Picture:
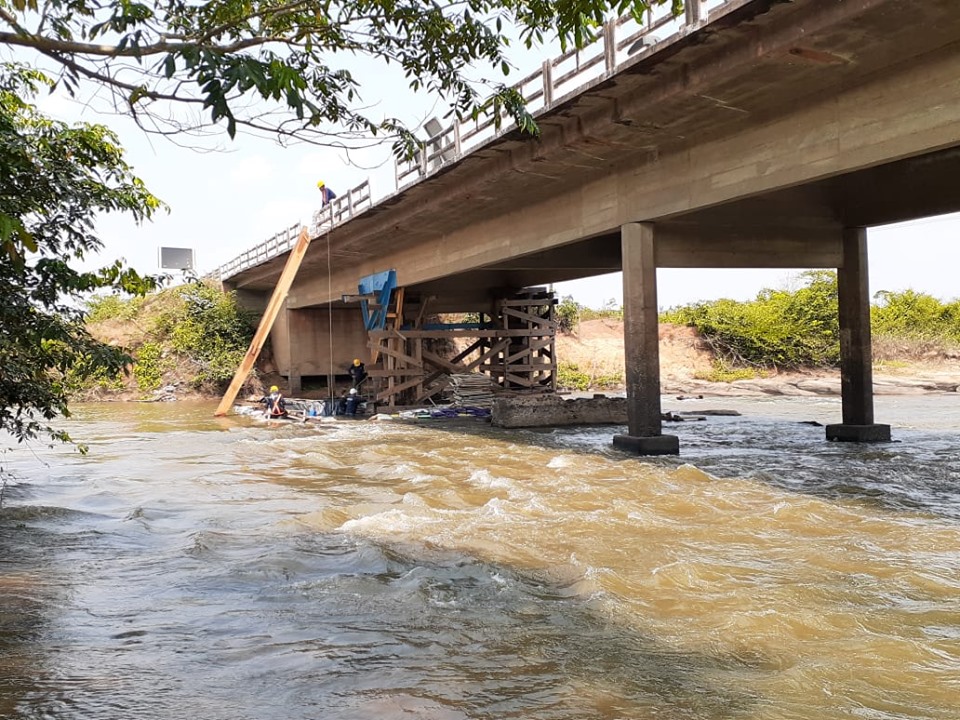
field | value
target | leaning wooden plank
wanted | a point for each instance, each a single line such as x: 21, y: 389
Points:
x: 495, y: 350
x: 391, y: 352
x: 266, y: 322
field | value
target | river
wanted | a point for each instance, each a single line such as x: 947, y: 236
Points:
x: 226, y: 569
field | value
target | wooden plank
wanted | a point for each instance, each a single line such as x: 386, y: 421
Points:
x: 535, y: 345
x: 396, y: 372
x: 534, y: 367
x: 266, y: 322
x: 396, y: 354
x: 392, y: 392
x: 529, y: 317
x: 382, y: 334
x: 497, y: 348
x: 439, y: 362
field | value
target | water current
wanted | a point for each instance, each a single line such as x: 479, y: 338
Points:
x: 227, y: 569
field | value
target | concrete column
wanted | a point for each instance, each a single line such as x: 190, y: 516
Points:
x: 856, y: 358
x: 294, y: 381
x: 642, y: 345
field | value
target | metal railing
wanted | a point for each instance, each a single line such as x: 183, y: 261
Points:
x: 621, y: 40
x: 334, y: 213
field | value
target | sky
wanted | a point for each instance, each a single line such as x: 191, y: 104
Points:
x: 225, y: 201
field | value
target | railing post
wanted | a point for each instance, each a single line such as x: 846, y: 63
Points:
x: 456, y: 137
x: 692, y: 8
x: 610, y: 45
x: 547, y: 83
x: 423, y: 160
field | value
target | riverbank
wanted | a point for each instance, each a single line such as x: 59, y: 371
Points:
x: 687, y: 363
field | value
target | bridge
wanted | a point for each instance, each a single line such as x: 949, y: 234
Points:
x: 743, y: 134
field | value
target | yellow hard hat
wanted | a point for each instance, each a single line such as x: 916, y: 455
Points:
x: 320, y: 183
x: 356, y: 361
x: 274, y: 388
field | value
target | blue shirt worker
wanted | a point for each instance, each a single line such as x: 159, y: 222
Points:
x: 325, y: 193
x: 358, y: 373
x: 276, y: 406
x: 353, y: 402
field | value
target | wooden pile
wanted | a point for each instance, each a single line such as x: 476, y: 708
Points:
x: 472, y: 390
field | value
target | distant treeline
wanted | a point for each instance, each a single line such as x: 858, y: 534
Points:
x: 792, y: 328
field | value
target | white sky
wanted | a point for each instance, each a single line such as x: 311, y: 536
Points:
x: 223, y: 203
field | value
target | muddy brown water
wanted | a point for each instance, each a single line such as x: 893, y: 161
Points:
x: 192, y: 567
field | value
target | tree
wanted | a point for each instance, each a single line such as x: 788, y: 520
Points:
x: 245, y: 61
x: 55, y: 180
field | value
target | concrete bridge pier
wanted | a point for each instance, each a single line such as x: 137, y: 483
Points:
x: 856, y: 359
x: 642, y: 346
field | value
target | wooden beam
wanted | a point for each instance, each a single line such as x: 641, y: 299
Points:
x: 266, y: 322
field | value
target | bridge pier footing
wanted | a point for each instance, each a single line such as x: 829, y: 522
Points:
x: 642, y: 346
x: 856, y: 358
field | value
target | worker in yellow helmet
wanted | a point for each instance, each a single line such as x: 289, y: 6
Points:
x: 358, y: 373
x: 325, y: 193
x: 276, y: 406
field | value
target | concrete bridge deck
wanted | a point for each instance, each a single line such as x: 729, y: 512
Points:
x: 761, y: 135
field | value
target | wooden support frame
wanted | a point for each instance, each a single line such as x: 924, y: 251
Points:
x: 517, y: 352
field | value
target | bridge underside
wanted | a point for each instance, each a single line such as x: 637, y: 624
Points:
x: 795, y: 227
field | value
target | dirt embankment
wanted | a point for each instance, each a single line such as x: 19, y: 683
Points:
x: 685, y: 361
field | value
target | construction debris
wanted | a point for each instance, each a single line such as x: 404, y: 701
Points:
x: 472, y: 390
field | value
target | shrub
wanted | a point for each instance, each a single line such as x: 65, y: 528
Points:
x: 208, y: 328
x: 101, y: 308
x: 568, y: 314
x: 722, y: 372
x: 780, y: 328
x: 150, y: 366
x: 571, y: 377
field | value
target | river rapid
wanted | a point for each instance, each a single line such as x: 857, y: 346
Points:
x: 227, y: 569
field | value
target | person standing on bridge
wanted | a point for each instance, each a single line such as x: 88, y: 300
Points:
x: 325, y: 193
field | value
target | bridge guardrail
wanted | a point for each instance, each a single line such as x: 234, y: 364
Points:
x: 558, y: 79
x: 337, y: 211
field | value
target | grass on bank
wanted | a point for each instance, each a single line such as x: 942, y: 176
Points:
x: 193, y: 335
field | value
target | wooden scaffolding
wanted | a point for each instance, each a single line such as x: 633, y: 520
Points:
x: 513, y: 344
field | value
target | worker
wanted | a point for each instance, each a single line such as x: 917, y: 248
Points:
x: 353, y: 402
x: 276, y: 406
x: 358, y: 373
x: 326, y: 193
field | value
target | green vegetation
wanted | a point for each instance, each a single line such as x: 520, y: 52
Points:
x: 193, y: 333
x: 149, y: 366
x: 209, y: 329
x: 723, y: 372
x: 610, y: 310
x: 779, y: 329
x: 571, y: 377
x: 570, y: 313
x: 279, y: 69
x: 567, y: 314
x: 101, y: 308
x: 56, y: 180
x: 800, y: 328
